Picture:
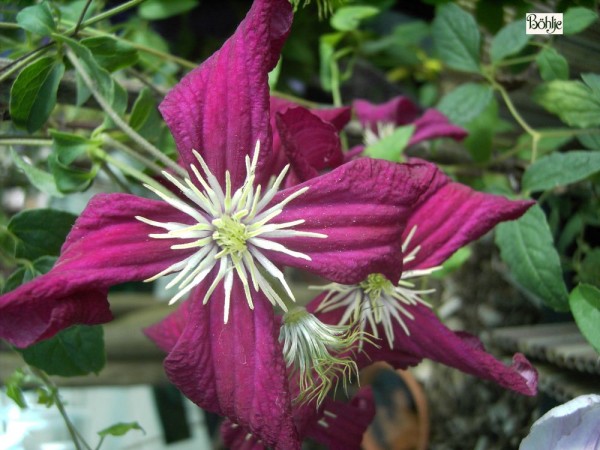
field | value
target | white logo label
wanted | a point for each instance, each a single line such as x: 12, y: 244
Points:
x: 544, y: 23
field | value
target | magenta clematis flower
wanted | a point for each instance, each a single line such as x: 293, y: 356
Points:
x: 224, y: 234
x: 380, y: 120
x: 450, y: 216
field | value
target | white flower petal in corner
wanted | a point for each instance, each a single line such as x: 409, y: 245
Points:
x: 572, y: 426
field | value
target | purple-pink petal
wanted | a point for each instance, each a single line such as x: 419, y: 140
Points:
x: 338, y: 117
x: 432, y: 125
x: 340, y: 426
x: 106, y: 246
x: 430, y: 338
x: 362, y: 207
x: 221, y: 108
x: 398, y: 110
x: 450, y: 216
x: 234, y: 369
x: 309, y: 143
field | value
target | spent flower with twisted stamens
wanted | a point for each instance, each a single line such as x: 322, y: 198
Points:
x: 231, y: 230
x: 319, y: 354
x: 376, y: 300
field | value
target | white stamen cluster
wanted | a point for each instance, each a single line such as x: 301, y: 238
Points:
x: 229, y: 230
x: 384, y: 129
x: 376, y: 300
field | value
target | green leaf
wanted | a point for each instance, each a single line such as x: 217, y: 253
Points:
x: 33, y: 94
x: 526, y: 246
x: 575, y: 103
x: 592, y: 80
x: 41, y: 179
x: 591, y: 141
x: 162, y: 9
x: 145, y: 118
x: 585, y: 306
x: 559, y: 169
x: 40, y: 232
x: 577, y: 19
x: 390, y: 147
x: 348, y: 18
x: 481, y: 133
x: 106, y: 85
x: 78, y: 350
x: 71, y: 11
x: 589, y: 271
x: 28, y: 272
x: 65, y: 161
x: 510, y: 40
x: 14, y: 384
x: 120, y: 429
x: 466, y: 102
x: 111, y: 54
x: 37, y: 19
x: 552, y: 65
x: 456, y: 37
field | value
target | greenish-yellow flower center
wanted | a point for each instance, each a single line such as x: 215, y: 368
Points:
x: 230, y: 235
x: 375, y: 284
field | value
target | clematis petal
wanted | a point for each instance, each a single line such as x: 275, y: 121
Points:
x: 450, y: 216
x: 430, y: 338
x: 239, y: 438
x: 221, y: 108
x: 362, y: 207
x: 106, y: 246
x: 340, y: 426
x: 338, y: 117
x: 234, y: 369
x: 309, y: 143
x: 432, y: 125
x: 398, y: 110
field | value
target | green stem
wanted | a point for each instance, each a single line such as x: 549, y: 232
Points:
x: 129, y: 151
x: 34, y: 54
x: 18, y: 63
x: 115, y: 179
x: 335, y: 83
x: 81, y: 16
x: 106, y: 14
x: 126, y: 169
x: 535, y: 135
x: 166, y: 56
x: 10, y: 25
x: 75, y: 437
x: 34, y: 142
x: 513, y: 61
x: 130, y: 132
